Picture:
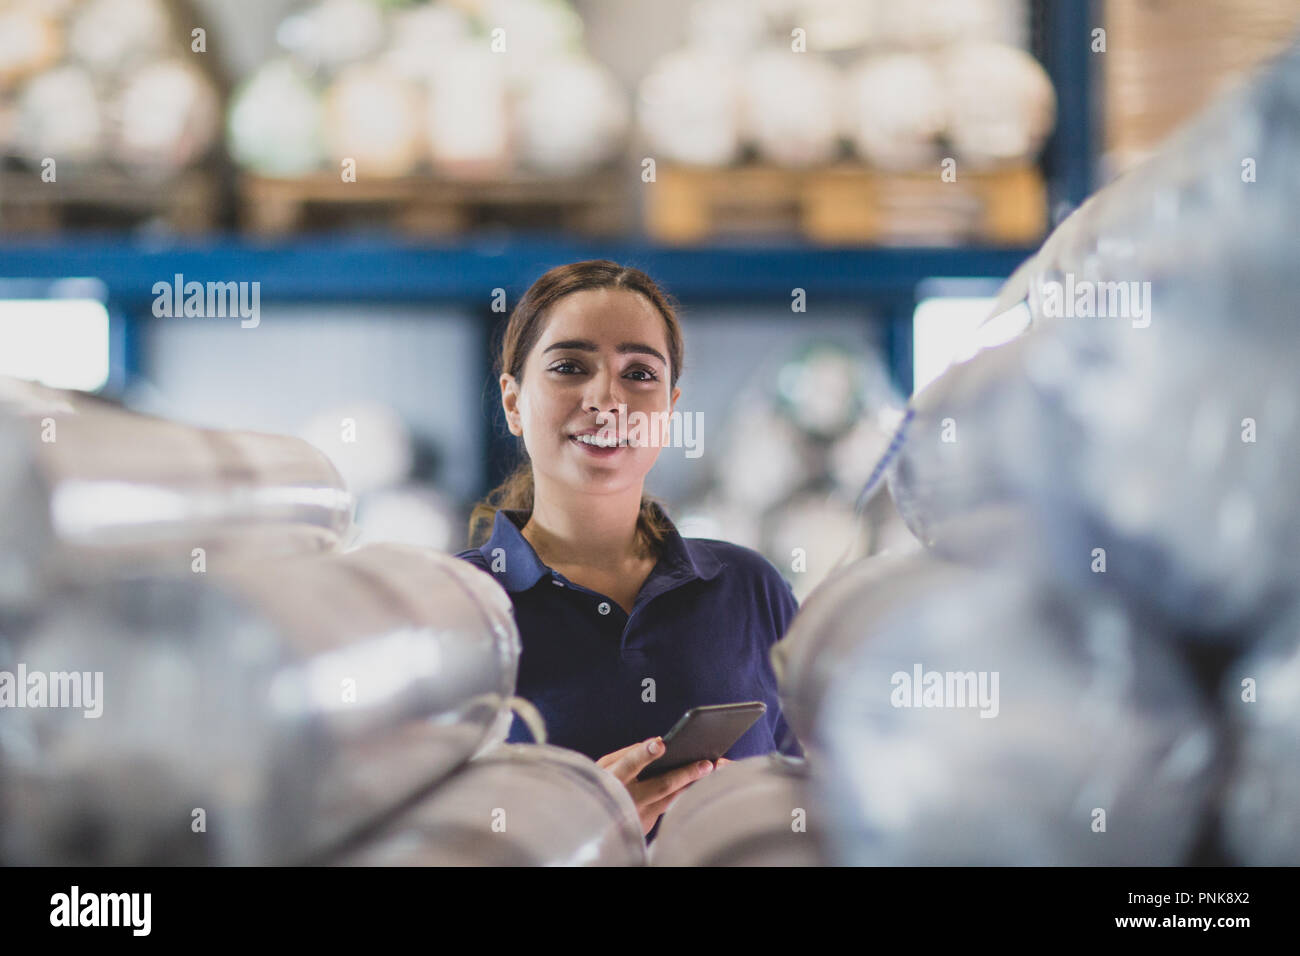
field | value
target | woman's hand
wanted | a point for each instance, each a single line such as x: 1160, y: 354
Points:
x: 652, y: 797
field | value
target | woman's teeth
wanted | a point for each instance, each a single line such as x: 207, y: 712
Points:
x: 598, y: 442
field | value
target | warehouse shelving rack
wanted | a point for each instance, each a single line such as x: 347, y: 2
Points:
x: 377, y: 268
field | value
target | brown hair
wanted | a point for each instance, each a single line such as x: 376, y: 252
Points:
x: 522, y: 333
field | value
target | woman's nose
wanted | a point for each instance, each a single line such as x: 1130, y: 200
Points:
x: 603, y: 393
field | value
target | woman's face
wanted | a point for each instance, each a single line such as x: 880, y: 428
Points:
x: 600, y: 349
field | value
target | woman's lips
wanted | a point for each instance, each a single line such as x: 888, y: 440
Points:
x: 596, y: 450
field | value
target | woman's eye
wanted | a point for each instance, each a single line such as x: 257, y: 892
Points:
x: 649, y: 376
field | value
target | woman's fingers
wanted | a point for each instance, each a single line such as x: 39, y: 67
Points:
x: 675, y: 784
x: 625, y: 764
x: 653, y: 812
x: 645, y: 792
x: 609, y: 759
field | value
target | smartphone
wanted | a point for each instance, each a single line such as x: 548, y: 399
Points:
x: 704, y: 733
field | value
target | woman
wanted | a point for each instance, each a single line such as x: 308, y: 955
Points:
x: 624, y: 624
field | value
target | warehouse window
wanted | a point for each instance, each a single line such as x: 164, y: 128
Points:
x: 62, y: 343
x: 941, y: 328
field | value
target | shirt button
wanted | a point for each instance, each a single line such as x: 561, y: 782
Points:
x: 557, y: 582
x: 603, y: 607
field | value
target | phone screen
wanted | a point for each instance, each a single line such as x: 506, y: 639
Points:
x: 704, y: 733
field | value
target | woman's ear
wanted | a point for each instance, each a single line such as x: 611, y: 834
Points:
x: 510, y: 402
x: 672, y: 403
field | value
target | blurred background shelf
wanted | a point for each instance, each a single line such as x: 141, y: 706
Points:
x: 427, y: 206
x: 468, y: 269
x: 188, y: 205
x: 394, y: 289
x: 847, y: 203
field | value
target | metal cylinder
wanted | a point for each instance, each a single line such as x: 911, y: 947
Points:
x: 1260, y: 695
x: 982, y: 718
x: 258, y: 716
x: 26, y: 534
x: 818, y: 640
x: 1156, y: 463
x: 125, y: 493
x: 754, y: 812
x: 1148, y: 424
x: 517, y: 805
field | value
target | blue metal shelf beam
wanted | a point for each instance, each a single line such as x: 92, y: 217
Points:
x: 386, y: 269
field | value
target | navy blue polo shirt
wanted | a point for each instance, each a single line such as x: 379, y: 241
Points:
x: 700, y: 629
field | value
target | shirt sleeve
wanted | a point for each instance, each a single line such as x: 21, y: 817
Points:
x: 785, y: 606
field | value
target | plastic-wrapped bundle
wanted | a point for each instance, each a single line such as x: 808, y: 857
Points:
x: 410, y: 514
x: 714, y: 515
x: 829, y: 25
x: 1001, y: 104
x: 816, y: 644
x: 894, y: 108
x: 812, y: 535
x: 1202, y: 195
x: 108, y: 35
x: 731, y: 28
x: 382, y: 453
x: 275, y: 124
x: 333, y: 33
x: 468, y: 112
x: 374, y: 115
x: 127, y: 493
x: 689, y: 107
x: 754, y: 812
x: 825, y: 388
x: 1155, y: 461
x: 259, y: 718
x: 932, y: 23
x: 886, y: 531
x: 788, y: 106
x: 535, y: 31
x: 59, y: 115
x: 572, y: 117
x: 515, y: 805
x: 766, y: 458
x: 972, y: 443
x: 976, y: 718
x: 1260, y: 817
x: 170, y: 116
x: 1190, y: 443
x: 30, y: 41
x: 419, y: 35
x: 854, y: 455
x: 1144, y: 437
x: 26, y: 533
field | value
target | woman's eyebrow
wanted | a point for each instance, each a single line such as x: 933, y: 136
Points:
x: 586, y: 345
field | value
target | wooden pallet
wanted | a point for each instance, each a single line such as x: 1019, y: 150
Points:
x: 430, y: 206
x: 846, y: 204
x: 107, y: 199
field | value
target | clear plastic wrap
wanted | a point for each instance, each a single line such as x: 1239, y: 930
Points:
x: 1261, y: 697
x: 753, y: 812
x: 1140, y: 431
x: 120, y: 492
x: 259, y: 716
x: 518, y: 805
x: 981, y: 718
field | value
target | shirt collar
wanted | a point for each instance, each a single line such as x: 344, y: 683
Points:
x: 680, y: 562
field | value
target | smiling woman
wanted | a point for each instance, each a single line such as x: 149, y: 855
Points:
x: 630, y: 361
x: 625, y: 625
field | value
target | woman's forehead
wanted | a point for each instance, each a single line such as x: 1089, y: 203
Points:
x: 605, y: 316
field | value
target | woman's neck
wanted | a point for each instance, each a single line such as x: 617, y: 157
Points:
x: 592, y: 531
